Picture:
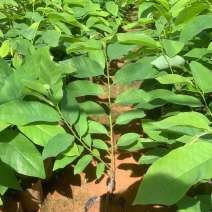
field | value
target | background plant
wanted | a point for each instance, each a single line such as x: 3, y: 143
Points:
x: 178, y: 46
x: 41, y: 44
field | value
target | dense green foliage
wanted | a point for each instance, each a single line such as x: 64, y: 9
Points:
x: 49, y: 49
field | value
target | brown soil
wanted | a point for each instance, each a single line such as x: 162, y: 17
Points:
x: 100, y: 205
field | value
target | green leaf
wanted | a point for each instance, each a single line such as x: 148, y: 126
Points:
x: 51, y: 37
x: 71, y: 151
x: 128, y: 116
x: 2, y: 190
x: 99, y: 170
x: 201, y: 75
x: 14, y: 85
x: 96, y: 152
x: 137, y: 39
x: 180, y: 4
x: 195, y: 26
x: 190, y: 12
x: 85, y: 67
x: 57, y: 144
x: 7, y: 177
x: 25, y: 159
x: 3, y: 125
x: 82, y: 163
x: 84, y: 87
x: 5, y: 71
x: 28, y: 33
x: 16, y: 61
x: 51, y: 76
x: 63, y: 27
x: 62, y: 161
x: 183, y: 119
x: 112, y: 8
x: 96, y: 128
x: 116, y: 50
x: 132, y: 72
x: 186, y: 210
x: 11, y: 2
x: 169, y: 96
x: 132, y: 96
x: 2, y: 16
x: 149, y: 129
x: 101, y: 13
x: 141, y: 21
x: 81, y: 125
x: 5, y: 48
x: 139, y: 144
x: 66, y: 69
x: 27, y: 92
x: 144, y: 9
x: 177, y: 171
x: 163, y: 12
x: 91, y: 21
x: 35, y: 85
x: 193, y: 204
x: 173, y: 79
x: 92, y: 108
x: 97, y: 55
x: 197, y: 53
x: 153, y: 155
x: 67, y: 18
x: 87, y: 139
x: 150, y: 105
x: 103, y: 28
x: 100, y: 144
x: 40, y: 132
x: 23, y: 46
x: 79, y: 46
x: 206, y: 199
x: 78, y: 2
x: 69, y: 107
x: 164, y: 3
x: 163, y: 63
x: 127, y: 139
x: 21, y: 112
x: 172, y: 47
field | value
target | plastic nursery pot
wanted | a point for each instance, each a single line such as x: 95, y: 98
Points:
x: 98, y: 204
x: 31, y: 198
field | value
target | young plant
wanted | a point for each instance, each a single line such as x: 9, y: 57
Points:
x: 180, y: 50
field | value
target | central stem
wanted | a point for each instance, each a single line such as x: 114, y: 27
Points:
x: 110, y: 115
x: 112, y: 173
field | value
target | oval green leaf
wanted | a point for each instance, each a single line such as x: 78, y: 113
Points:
x: 100, y: 144
x: 127, y: 139
x: 82, y: 163
x: 21, y: 112
x: 128, y: 116
x: 57, y: 144
x: 84, y: 87
x: 177, y: 171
